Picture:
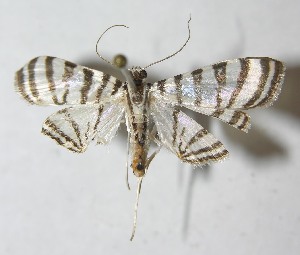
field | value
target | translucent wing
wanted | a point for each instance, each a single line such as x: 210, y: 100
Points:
x: 75, y: 127
x: 53, y: 81
x: 184, y: 136
x: 225, y: 88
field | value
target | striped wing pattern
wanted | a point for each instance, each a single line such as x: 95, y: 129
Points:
x: 96, y: 102
x: 75, y: 127
x: 54, y: 81
x: 95, y: 99
x: 224, y: 89
x: 185, y: 137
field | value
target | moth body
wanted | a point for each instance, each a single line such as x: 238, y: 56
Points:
x: 137, y: 115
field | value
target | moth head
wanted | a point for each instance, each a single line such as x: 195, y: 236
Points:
x: 138, y: 74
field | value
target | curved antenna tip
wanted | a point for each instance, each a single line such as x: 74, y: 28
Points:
x: 172, y: 55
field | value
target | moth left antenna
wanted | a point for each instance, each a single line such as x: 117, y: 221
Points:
x: 172, y: 55
x: 120, y: 61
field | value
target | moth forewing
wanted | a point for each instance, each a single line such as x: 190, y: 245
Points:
x: 224, y: 89
x: 53, y: 81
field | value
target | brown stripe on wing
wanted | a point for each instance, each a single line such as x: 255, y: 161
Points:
x: 117, y: 85
x: 206, y: 149
x: 57, y: 139
x: 31, y: 78
x: 88, y: 81
x: 105, y: 79
x: 161, y: 86
x: 52, y: 127
x: 68, y: 73
x: 181, y: 151
x: 245, y: 67
x: 177, y: 80
x: 201, y: 133
x: 244, y: 126
x: 265, y: 71
x: 197, y: 78
x: 236, y: 117
x: 217, y: 113
x: 214, y: 157
x: 275, y: 84
x: 175, y: 125
x: 49, y: 76
x: 220, y: 76
x: 20, y: 85
x: 73, y: 124
x: 100, y: 110
x: 87, y: 131
x: 69, y: 70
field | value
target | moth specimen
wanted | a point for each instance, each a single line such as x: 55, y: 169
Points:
x: 97, y: 103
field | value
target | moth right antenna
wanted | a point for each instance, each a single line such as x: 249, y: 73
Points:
x: 176, y: 51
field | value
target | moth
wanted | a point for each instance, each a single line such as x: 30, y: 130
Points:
x: 97, y: 103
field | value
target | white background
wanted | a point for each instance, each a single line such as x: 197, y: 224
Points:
x: 56, y: 202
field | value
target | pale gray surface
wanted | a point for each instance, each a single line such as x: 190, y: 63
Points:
x: 55, y: 202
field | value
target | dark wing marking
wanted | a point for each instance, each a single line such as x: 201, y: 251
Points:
x: 225, y: 88
x: 184, y: 136
x: 75, y: 127
x: 53, y: 81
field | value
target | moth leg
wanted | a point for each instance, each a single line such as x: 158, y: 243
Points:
x: 128, y: 141
x: 138, y: 191
x: 154, y: 137
x: 152, y: 157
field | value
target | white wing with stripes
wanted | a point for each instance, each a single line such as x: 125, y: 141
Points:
x: 75, y: 127
x: 54, y: 81
x: 184, y: 136
x: 223, y: 89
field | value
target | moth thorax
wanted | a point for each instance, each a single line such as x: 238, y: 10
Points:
x: 139, y: 118
x: 137, y: 98
x: 138, y: 75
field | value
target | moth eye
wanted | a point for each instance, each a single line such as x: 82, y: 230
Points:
x: 143, y: 74
x: 140, y: 166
